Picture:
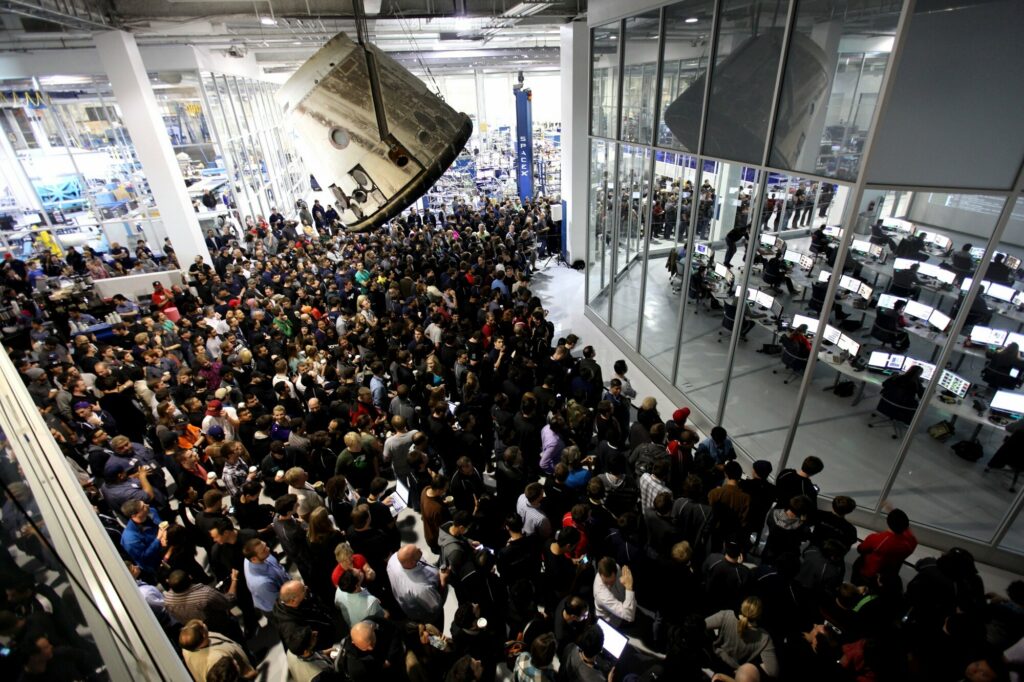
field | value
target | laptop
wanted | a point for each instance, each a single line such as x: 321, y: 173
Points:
x: 614, y: 641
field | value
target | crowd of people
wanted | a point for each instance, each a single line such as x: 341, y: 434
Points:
x: 250, y: 438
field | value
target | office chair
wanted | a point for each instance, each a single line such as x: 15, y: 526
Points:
x: 772, y: 282
x: 896, y: 415
x: 818, y: 292
x: 886, y: 328
x: 680, y: 272
x: 794, y: 359
x: 1001, y: 380
x: 729, y: 319
x: 902, y: 292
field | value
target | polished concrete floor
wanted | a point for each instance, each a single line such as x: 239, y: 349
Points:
x: 934, y: 486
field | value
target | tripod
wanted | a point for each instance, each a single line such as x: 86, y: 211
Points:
x: 554, y: 248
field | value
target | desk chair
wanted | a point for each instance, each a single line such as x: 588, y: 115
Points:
x: 818, y: 292
x: 729, y: 319
x: 903, y: 292
x: 772, y: 282
x: 794, y: 360
x: 678, y: 271
x: 1000, y: 380
x: 896, y: 415
x: 886, y: 329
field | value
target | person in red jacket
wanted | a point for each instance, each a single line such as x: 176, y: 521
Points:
x: 884, y: 552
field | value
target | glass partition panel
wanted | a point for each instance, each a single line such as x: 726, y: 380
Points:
x: 985, y: 370
x: 604, y: 80
x: 830, y: 86
x: 639, y: 74
x: 1014, y: 538
x: 687, y: 50
x: 704, y: 345
x: 635, y: 200
x: 750, y: 35
x: 602, y: 224
x: 674, y: 175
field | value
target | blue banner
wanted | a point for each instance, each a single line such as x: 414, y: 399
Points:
x: 524, y: 143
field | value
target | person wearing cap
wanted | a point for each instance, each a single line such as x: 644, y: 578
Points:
x: 124, y: 481
x: 89, y: 417
x: 142, y: 539
x: 39, y: 385
x: 219, y: 415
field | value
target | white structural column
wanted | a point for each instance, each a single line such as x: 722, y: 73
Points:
x: 121, y: 59
x: 575, y: 48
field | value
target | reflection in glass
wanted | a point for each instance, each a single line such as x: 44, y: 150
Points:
x: 602, y: 222
x: 639, y: 75
x: 687, y: 50
x: 742, y: 82
x: 674, y: 175
x: 634, y: 202
x: 830, y: 86
x: 604, y: 93
x: 725, y: 194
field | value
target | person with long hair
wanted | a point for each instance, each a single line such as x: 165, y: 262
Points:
x: 739, y: 640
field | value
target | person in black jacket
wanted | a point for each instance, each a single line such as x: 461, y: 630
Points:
x: 901, y: 394
x: 732, y: 240
x: 296, y: 612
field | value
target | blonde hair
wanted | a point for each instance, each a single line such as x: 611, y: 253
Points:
x: 649, y: 403
x: 750, y: 612
x: 682, y: 552
x: 343, y: 554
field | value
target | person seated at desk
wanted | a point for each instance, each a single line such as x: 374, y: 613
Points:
x: 998, y: 373
x: 912, y: 247
x: 894, y: 322
x: 748, y: 322
x: 980, y: 313
x: 776, y: 273
x: 796, y: 348
x: 800, y: 340
x: 878, y: 236
x: 901, y: 394
x: 905, y: 282
x: 701, y: 289
x: 999, y: 272
x: 819, y: 240
x: 962, y: 263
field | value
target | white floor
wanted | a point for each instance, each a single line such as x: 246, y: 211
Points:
x: 934, y: 486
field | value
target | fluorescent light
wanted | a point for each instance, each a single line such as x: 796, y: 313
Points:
x: 691, y: 20
x: 268, y: 21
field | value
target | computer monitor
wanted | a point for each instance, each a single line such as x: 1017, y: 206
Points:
x: 861, y: 246
x: 886, y: 361
x: 889, y: 301
x: 834, y: 232
x: 1012, y: 262
x: 777, y: 309
x: 919, y: 310
x: 1010, y: 403
x: 966, y: 284
x: 792, y: 257
x: 767, y: 240
x: 865, y: 291
x: 985, y: 336
x: 977, y: 252
x: 849, y: 283
x: 1019, y: 298
x: 849, y: 345
x: 953, y: 383
x: 723, y: 272
x: 614, y: 641
x: 898, y: 224
x: 1014, y: 337
x: 812, y: 323
x: 824, y: 276
x: 764, y: 299
x: 703, y: 250
x: 939, y: 320
x: 935, y: 272
x: 806, y: 262
x: 927, y: 368
x: 832, y: 334
x: 903, y: 263
x: 1001, y: 292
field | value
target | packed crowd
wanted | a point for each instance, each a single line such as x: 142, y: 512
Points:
x: 250, y: 440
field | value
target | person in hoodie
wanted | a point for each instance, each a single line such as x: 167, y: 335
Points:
x: 457, y: 550
x: 787, y: 528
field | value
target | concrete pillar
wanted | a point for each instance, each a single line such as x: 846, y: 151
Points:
x: 121, y: 59
x: 482, y: 125
x: 575, y: 50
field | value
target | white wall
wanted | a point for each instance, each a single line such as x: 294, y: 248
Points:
x: 459, y: 91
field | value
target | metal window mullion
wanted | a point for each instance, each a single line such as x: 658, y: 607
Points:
x: 691, y: 230
x: 241, y: 146
x: 215, y: 132
x: 947, y: 348
x: 856, y: 195
x: 586, y: 236
x: 773, y: 113
x: 741, y: 308
x: 621, y: 79
x: 616, y: 219
x: 712, y: 57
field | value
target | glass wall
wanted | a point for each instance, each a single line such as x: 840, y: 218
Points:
x: 604, y: 78
x: 766, y: 284
x: 639, y: 77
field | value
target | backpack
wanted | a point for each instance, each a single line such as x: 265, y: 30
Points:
x: 644, y: 456
x: 970, y: 450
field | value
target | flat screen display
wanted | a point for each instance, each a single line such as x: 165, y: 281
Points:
x: 889, y: 301
x: 1001, y: 292
x: 939, y: 320
x: 953, y: 383
x: 1005, y: 401
x: 614, y: 641
x: 812, y: 323
x: 928, y: 369
x: 848, y: 344
x: 919, y: 310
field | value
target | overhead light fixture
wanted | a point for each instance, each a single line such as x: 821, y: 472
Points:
x: 268, y: 21
x: 691, y: 20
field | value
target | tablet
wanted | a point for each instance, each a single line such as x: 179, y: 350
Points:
x: 614, y: 641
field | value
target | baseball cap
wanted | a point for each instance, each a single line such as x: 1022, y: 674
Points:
x: 215, y: 431
x: 681, y: 414
x: 34, y: 372
x: 213, y: 406
x: 115, y: 465
x: 81, y: 405
x: 168, y: 439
